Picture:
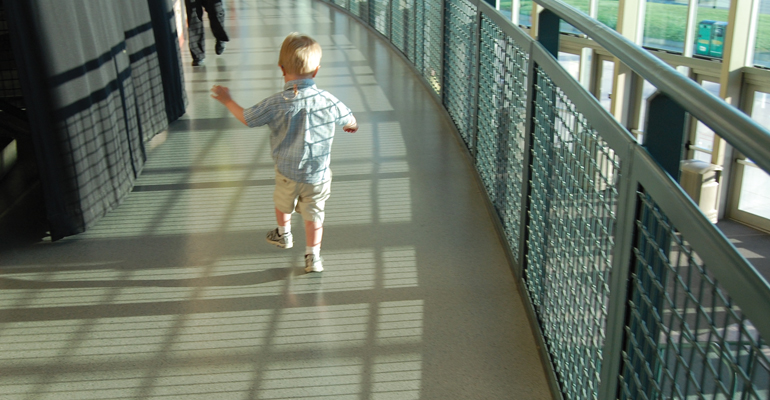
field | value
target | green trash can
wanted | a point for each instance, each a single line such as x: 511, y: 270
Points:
x: 703, y: 43
x: 717, y: 38
x: 711, y: 38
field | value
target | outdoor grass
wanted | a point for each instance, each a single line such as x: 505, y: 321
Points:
x: 664, y: 21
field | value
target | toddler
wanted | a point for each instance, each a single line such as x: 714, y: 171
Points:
x: 301, y: 120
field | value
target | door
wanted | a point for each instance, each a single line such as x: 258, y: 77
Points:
x: 750, y: 192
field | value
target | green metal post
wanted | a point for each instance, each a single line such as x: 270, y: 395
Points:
x: 664, y: 137
x: 548, y: 32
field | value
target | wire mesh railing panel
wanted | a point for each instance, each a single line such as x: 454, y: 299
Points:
x: 501, y: 129
x: 431, y: 33
x: 573, y: 201
x: 685, y: 338
x: 398, y: 25
x: 411, y: 32
x: 341, y: 3
x: 401, y: 27
x: 359, y: 8
x: 460, y: 64
x: 378, y: 15
x: 418, y: 56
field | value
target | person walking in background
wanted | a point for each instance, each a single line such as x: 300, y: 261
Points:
x: 301, y: 118
x: 216, y: 12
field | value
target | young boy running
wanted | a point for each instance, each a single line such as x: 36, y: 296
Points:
x: 301, y: 119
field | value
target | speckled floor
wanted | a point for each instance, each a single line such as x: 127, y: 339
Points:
x: 176, y: 294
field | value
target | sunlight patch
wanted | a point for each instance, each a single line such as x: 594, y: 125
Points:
x: 394, y: 200
x: 397, y: 377
x: 399, y: 267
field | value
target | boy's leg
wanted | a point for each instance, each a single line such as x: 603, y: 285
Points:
x: 284, y: 198
x: 283, y: 219
x: 281, y: 236
x: 314, y: 232
x: 312, y: 201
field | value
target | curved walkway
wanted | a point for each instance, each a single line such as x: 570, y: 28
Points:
x: 177, y: 295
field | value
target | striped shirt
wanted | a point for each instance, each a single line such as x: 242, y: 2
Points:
x: 302, y: 128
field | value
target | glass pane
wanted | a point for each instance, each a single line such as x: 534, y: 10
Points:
x: 525, y: 12
x: 605, y: 88
x: 647, y: 91
x: 699, y: 155
x: 505, y: 8
x: 760, y: 109
x: 570, y: 62
x: 608, y: 13
x: 755, y: 192
x: 711, y: 27
x: 755, y: 187
x: 664, y: 25
x: 581, y: 5
x: 762, y: 47
x: 704, y: 136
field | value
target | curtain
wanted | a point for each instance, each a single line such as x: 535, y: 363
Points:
x: 91, y: 76
x: 169, y: 58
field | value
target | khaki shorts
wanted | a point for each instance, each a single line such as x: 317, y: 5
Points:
x: 306, y: 198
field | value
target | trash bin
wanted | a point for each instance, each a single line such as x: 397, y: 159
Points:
x: 711, y: 38
x: 703, y: 44
x: 718, y: 39
x: 700, y: 180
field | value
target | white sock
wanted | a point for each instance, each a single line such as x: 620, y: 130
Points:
x: 282, y: 230
x: 314, y: 250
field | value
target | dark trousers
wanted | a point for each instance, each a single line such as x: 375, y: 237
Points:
x: 196, y: 36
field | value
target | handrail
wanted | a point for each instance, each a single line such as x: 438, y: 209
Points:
x: 738, y: 129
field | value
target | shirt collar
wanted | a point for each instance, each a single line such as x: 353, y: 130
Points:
x: 301, y: 84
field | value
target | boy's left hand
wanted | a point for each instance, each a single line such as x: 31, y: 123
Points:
x: 220, y: 93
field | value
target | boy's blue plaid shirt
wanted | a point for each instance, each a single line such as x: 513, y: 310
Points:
x: 302, y: 128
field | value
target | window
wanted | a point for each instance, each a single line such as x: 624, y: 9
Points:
x: 581, y: 5
x: 750, y: 193
x: 505, y: 8
x: 762, y: 47
x: 605, y: 86
x: 608, y: 13
x: 704, y: 137
x: 711, y: 28
x: 754, y: 195
x: 571, y: 63
x: 664, y: 25
x: 525, y: 12
x: 647, y: 91
x: 760, y: 109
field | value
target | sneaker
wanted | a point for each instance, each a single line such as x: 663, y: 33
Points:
x: 220, y: 47
x: 313, y: 263
x: 197, y: 62
x: 285, y: 241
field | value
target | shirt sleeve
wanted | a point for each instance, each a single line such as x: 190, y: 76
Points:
x: 344, y: 115
x: 258, y: 115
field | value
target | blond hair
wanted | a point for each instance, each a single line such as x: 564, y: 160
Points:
x: 300, y: 54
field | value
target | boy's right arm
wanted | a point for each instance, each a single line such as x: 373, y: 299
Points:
x: 222, y: 95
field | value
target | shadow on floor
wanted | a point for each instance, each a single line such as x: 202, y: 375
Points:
x: 751, y: 243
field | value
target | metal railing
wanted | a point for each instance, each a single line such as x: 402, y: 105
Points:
x: 635, y: 294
